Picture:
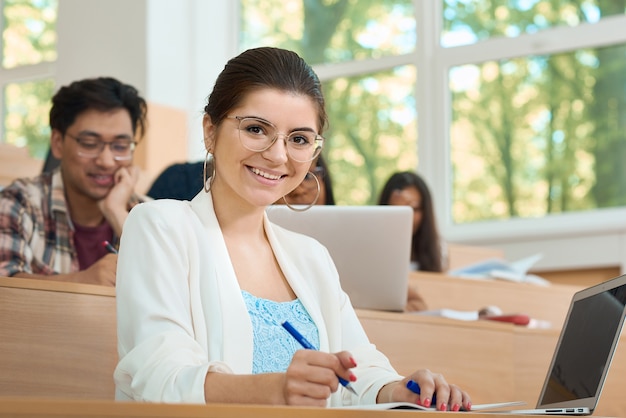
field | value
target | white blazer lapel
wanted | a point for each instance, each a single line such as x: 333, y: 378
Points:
x: 222, y: 294
x: 300, y: 282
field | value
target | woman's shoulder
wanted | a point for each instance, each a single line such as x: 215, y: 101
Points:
x: 173, y: 211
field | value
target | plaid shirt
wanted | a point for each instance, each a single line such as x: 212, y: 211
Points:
x: 36, y: 232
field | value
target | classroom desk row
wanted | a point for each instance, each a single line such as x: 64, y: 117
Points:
x: 544, y: 303
x: 59, y: 341
x: 493, y: 361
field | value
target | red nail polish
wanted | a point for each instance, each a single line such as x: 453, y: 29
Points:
x: 352, y: 378
x: 443, y: 407
x: 469, y: 406
x: 427, y: 402
x: 353, y: 362
x: 456, y: 407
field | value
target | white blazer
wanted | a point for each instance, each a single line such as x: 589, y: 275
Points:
x: 180, y: 312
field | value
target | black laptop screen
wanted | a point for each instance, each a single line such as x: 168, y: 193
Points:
x: 585, y: 347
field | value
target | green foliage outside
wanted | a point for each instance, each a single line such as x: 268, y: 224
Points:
x: 542, y: 134
x: 373, y: 128
x: 28, y: 39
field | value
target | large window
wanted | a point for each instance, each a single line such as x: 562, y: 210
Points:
x: 520, y: 105
x: 543, y: 130
x: 26, y: 74
x: 364, y: 53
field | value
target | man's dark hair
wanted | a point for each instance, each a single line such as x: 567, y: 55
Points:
x: 102, y: 94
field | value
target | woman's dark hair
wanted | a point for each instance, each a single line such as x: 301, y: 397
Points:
x: 102, y: 94
x: 259, y: 68
x: 326, y: 178
x: 426, y: 248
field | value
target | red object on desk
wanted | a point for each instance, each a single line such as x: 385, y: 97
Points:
x: 517, y: 319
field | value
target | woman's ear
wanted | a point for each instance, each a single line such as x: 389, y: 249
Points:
x: 209, y: 133
x: 56, y: 144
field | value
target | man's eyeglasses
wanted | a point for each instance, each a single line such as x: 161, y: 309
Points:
x: 122, y: 149
x: 259, y: 135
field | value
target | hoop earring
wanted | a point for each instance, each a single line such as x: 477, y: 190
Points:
x: 317, y: 196
x: 209, y: 160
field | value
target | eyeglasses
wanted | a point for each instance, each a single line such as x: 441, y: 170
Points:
x: 122, y: 149
x: 259, y: 135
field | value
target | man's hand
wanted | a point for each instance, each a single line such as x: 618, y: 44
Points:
x: 114, y: 206
x: 102, y: 272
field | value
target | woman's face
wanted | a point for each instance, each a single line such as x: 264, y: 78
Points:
x: 409, y: 196
x: 259, y: 178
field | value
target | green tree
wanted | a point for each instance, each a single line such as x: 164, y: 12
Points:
x: 608, y: 111
x: 367, y: 140
x: 28, y: 38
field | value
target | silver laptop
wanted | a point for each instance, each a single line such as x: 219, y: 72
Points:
x: 583, y: 354
x: 370, y: 246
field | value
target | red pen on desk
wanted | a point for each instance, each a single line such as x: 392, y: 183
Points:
x: 110, y: 248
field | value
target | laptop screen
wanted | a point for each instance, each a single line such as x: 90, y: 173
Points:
x: 586, y: 347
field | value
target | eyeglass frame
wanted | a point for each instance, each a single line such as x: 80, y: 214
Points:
x: 319, y: 139
x: 102, y: 145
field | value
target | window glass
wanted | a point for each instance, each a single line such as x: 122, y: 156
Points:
x: 373, y: 132
x: 372, y: 114
x: 29, y: 32
x: 27, y: 108
x: 329, y: 31
x: 539, y: 135
x: 468, y: 21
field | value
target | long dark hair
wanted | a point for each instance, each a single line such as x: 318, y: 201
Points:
x: 426, y: 247
x: 326, y: 178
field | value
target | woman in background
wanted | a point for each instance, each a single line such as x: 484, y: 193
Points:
x: 407, y: 188
x: 315, y: 189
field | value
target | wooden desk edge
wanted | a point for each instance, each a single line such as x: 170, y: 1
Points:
x: 366, y: 314
x: 416, y: 276
x: 43, y: 408
x: 56, y: 286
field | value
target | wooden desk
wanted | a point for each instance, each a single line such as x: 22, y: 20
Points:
x: 464, y: 352
x: 57, y: 339
x: 42, y: 408
x: 494, y: 362
x: 548, y: 303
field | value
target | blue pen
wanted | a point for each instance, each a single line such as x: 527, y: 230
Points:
x: 306, y: 344
x: 415, y: 388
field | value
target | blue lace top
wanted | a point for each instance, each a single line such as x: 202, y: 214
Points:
x: 273, y: 345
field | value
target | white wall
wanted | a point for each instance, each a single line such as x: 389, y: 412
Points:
x: 102, y: 38
x: 171, y: 51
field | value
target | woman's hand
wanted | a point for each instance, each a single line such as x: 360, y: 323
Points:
x: 448, y: 396
x: 312, y: 376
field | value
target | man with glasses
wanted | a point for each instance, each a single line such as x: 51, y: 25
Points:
x: 55, y: 225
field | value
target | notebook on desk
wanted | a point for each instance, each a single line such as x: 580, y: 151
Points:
x: 370, y: 246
